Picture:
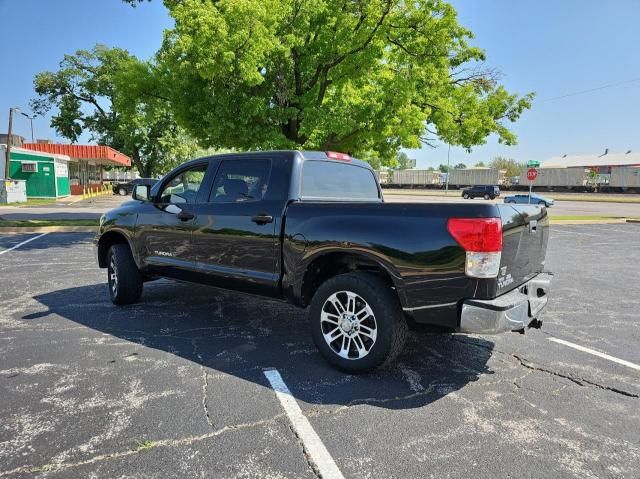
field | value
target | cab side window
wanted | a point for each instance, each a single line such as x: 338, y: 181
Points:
x: 184, y: 187
x: 241, y: 180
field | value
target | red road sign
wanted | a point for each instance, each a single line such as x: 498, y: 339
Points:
x: 532, y: 174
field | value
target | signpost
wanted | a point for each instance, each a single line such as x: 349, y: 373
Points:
x: 532, y: 174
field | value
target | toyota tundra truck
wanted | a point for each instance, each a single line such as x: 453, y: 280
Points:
x: 312, y: 228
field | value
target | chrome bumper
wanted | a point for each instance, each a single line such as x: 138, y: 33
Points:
x: 512, y: 311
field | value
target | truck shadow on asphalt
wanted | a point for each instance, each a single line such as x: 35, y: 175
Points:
x: 233, y: 334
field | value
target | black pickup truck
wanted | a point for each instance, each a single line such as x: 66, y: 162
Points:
x: 312, y: 228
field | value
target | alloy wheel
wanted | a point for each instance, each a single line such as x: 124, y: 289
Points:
x: 348, y: 325
x: 113, y: 276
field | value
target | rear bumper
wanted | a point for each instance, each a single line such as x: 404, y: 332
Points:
x: 512, y: 311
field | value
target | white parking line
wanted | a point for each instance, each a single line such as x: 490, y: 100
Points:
x: 596, y: 353
x: 23, y: 243
x: 311, y: 443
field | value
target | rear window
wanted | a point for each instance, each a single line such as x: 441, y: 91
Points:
x: 330, y: 180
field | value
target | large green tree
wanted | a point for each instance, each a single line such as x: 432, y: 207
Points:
x: 361, y: 76
x: 118, y: 101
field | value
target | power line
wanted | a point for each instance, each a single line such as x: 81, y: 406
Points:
x: 582, y: 92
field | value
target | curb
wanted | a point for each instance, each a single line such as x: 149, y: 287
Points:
x: 72, y: 199
x: 49, y: 229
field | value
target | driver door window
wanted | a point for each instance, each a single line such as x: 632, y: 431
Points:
x: 183, y: 188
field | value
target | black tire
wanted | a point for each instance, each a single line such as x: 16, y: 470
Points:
x: 542, y: 203
x: 126, y: 286
x: 122, y: 192
x: 486, y: 197
x: 391, y: 326
x: 466, y: 196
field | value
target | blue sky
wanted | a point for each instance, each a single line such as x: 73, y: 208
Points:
x: 550, y: 47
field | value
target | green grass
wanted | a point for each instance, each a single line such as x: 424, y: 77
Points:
x: 142, y: 445
x: 583, y: 217
x: 32, y: 202
x: 53, y: 222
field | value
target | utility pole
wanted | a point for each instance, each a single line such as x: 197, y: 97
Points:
x: 6, y: 164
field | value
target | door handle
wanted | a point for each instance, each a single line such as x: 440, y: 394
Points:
x: 185, y: 215
x: 262, y: 219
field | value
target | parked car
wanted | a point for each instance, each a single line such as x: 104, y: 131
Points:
x: 481, y: 191
x: 125, y: 189
x: 312, y: 228
x: 524, y: 199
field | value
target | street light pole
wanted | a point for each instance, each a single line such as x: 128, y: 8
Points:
x: 446, y: 188
x: 6, y: 164
x: 30, y: 121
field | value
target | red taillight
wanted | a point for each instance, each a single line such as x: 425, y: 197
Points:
x: 334, y: 155
x: 477, y: 234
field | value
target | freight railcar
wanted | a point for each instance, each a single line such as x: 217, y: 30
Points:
x: 557, y: 179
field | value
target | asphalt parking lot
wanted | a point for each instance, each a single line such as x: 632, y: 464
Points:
x: 175, y: 386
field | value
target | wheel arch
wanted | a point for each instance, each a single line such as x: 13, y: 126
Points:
x: 106, y: 241
x: 329, y: 264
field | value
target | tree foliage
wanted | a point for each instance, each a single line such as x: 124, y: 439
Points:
x: 443, y: 168
x: 117, y: 99
x: 480, y: 164
x: 511, y: 166
x: 460, y: 166
x: 402, y: 160
x: 366, y: 77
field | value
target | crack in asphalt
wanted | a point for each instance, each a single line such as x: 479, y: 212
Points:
x: 185, y: 441
x: 576, y: 380
x: 205, y: 381
x: 314, y: 412
x: 305, y: 454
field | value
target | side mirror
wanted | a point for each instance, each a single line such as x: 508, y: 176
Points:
x: 141, y: 192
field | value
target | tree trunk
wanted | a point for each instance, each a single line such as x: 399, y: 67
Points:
x: 138, y: 163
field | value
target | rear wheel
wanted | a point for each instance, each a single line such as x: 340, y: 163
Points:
x: 123, y: 276
x: 122, y: 192
x: 357, y: 322
x: 486, y: 197
x: 466, y: 196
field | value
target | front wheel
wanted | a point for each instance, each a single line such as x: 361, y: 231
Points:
x: 124, y: 278
x: 466, y: 196
x: 486, y: 197
x: 122, y: 192
x: 542, y: 203
x: 357, y: 322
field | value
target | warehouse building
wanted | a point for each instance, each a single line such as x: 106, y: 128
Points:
x: 599, y: 163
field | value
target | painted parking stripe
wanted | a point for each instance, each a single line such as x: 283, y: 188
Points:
x: 23, y: 243
x: 311, y: 443
x: 596, y: 353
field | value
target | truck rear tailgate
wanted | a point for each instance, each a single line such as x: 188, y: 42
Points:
x: 524, y: 246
